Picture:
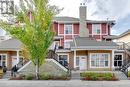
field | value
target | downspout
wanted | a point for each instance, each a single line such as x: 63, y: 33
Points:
x: 75, y: 45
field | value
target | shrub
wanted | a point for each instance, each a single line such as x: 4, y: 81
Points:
x: 45, y: 77
x: 97, y: 76
x: 108, y: 77
x: 94, y: 77
x: 29, y: 77
x: 129, y: 74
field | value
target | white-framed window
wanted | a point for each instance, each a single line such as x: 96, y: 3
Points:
x: 118, y: 59
x: 96, y: 29
x: 99, y: 60
x: 3, y: 59
x: 68, y: 29
x: 67, y: 43
x: 63, y: 59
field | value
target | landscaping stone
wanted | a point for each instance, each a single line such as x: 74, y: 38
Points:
x: 49, y: 68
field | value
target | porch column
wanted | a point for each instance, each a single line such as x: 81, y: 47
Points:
x: 17, y: 56
x: 113, y: 54
x: 74, y: 59
x: 60, y: 43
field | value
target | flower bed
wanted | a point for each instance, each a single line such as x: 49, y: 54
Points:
x: 41, y: 77
x: 98, y: 76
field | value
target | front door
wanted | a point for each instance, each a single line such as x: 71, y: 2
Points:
x: 82, y: 63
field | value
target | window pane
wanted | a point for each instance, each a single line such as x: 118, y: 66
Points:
x: 101, y: 63
x: 4, y: 57
x: 119, y: 63
x: 68, y: 29
x: 99, y: 60
x: 106, y: 63
x: 96, y: 29
x: 115, y: 63
x: 92, y: 63
x: 3, y: 63
x: 118, y: 60
x: 63, y: 57
x: 77, y: 61
x: 63, y: 60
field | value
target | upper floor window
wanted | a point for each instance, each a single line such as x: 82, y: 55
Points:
x: 96, y: 29
x: 68, y: 29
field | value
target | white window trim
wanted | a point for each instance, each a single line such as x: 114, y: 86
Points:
x: 6, y: 58
x: 119, y: 54
x: 68, y: 25
x: 64, y: 54
x: 100, y: 67
x: 93, y: 30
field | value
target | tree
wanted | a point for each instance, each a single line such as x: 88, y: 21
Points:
x: 35, y: 34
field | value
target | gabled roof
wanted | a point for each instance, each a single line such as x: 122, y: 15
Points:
x: 66, y: 19
x: 125, y: 33
x: 11, y: 44
x: 90, y: 43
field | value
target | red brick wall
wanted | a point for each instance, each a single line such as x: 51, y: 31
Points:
x: 104, y: 29
x: 89, y: 26
x: 61, y: 28
x: 76, y: 31
x: 76, y: 28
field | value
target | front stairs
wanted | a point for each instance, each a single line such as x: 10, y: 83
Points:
x: 120, y: 75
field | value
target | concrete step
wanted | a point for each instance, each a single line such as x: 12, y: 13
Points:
x: 120, y: 75
x: 75, y: 75
x: 7, y: 75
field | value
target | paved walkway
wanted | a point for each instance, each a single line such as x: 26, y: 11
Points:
x: 71, y: 83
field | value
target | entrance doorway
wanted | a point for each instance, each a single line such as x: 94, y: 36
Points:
x: 83, y: 63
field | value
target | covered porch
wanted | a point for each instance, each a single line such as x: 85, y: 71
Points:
x: 92, y: 60
x: 89, y: 54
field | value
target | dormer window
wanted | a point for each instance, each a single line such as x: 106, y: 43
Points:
x: 96, y: 29
x: 68, y: 29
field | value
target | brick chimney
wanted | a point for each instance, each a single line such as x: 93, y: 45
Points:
x: 83, y: 31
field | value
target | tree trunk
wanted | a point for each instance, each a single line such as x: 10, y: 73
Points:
x: 37, y: 70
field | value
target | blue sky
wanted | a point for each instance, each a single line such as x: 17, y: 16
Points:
x: 122, y: 25
x: 118, y: 10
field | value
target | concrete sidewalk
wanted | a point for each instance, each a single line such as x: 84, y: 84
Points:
x: 71, y: 83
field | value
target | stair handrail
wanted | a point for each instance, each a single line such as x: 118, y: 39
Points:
x: 123, y: 45
x: 126, y: 47
x: 55, y: 57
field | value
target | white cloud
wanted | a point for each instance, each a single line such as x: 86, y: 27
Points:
x: 116, y: 9
x: 97, y: 9
x: 114, y: 32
